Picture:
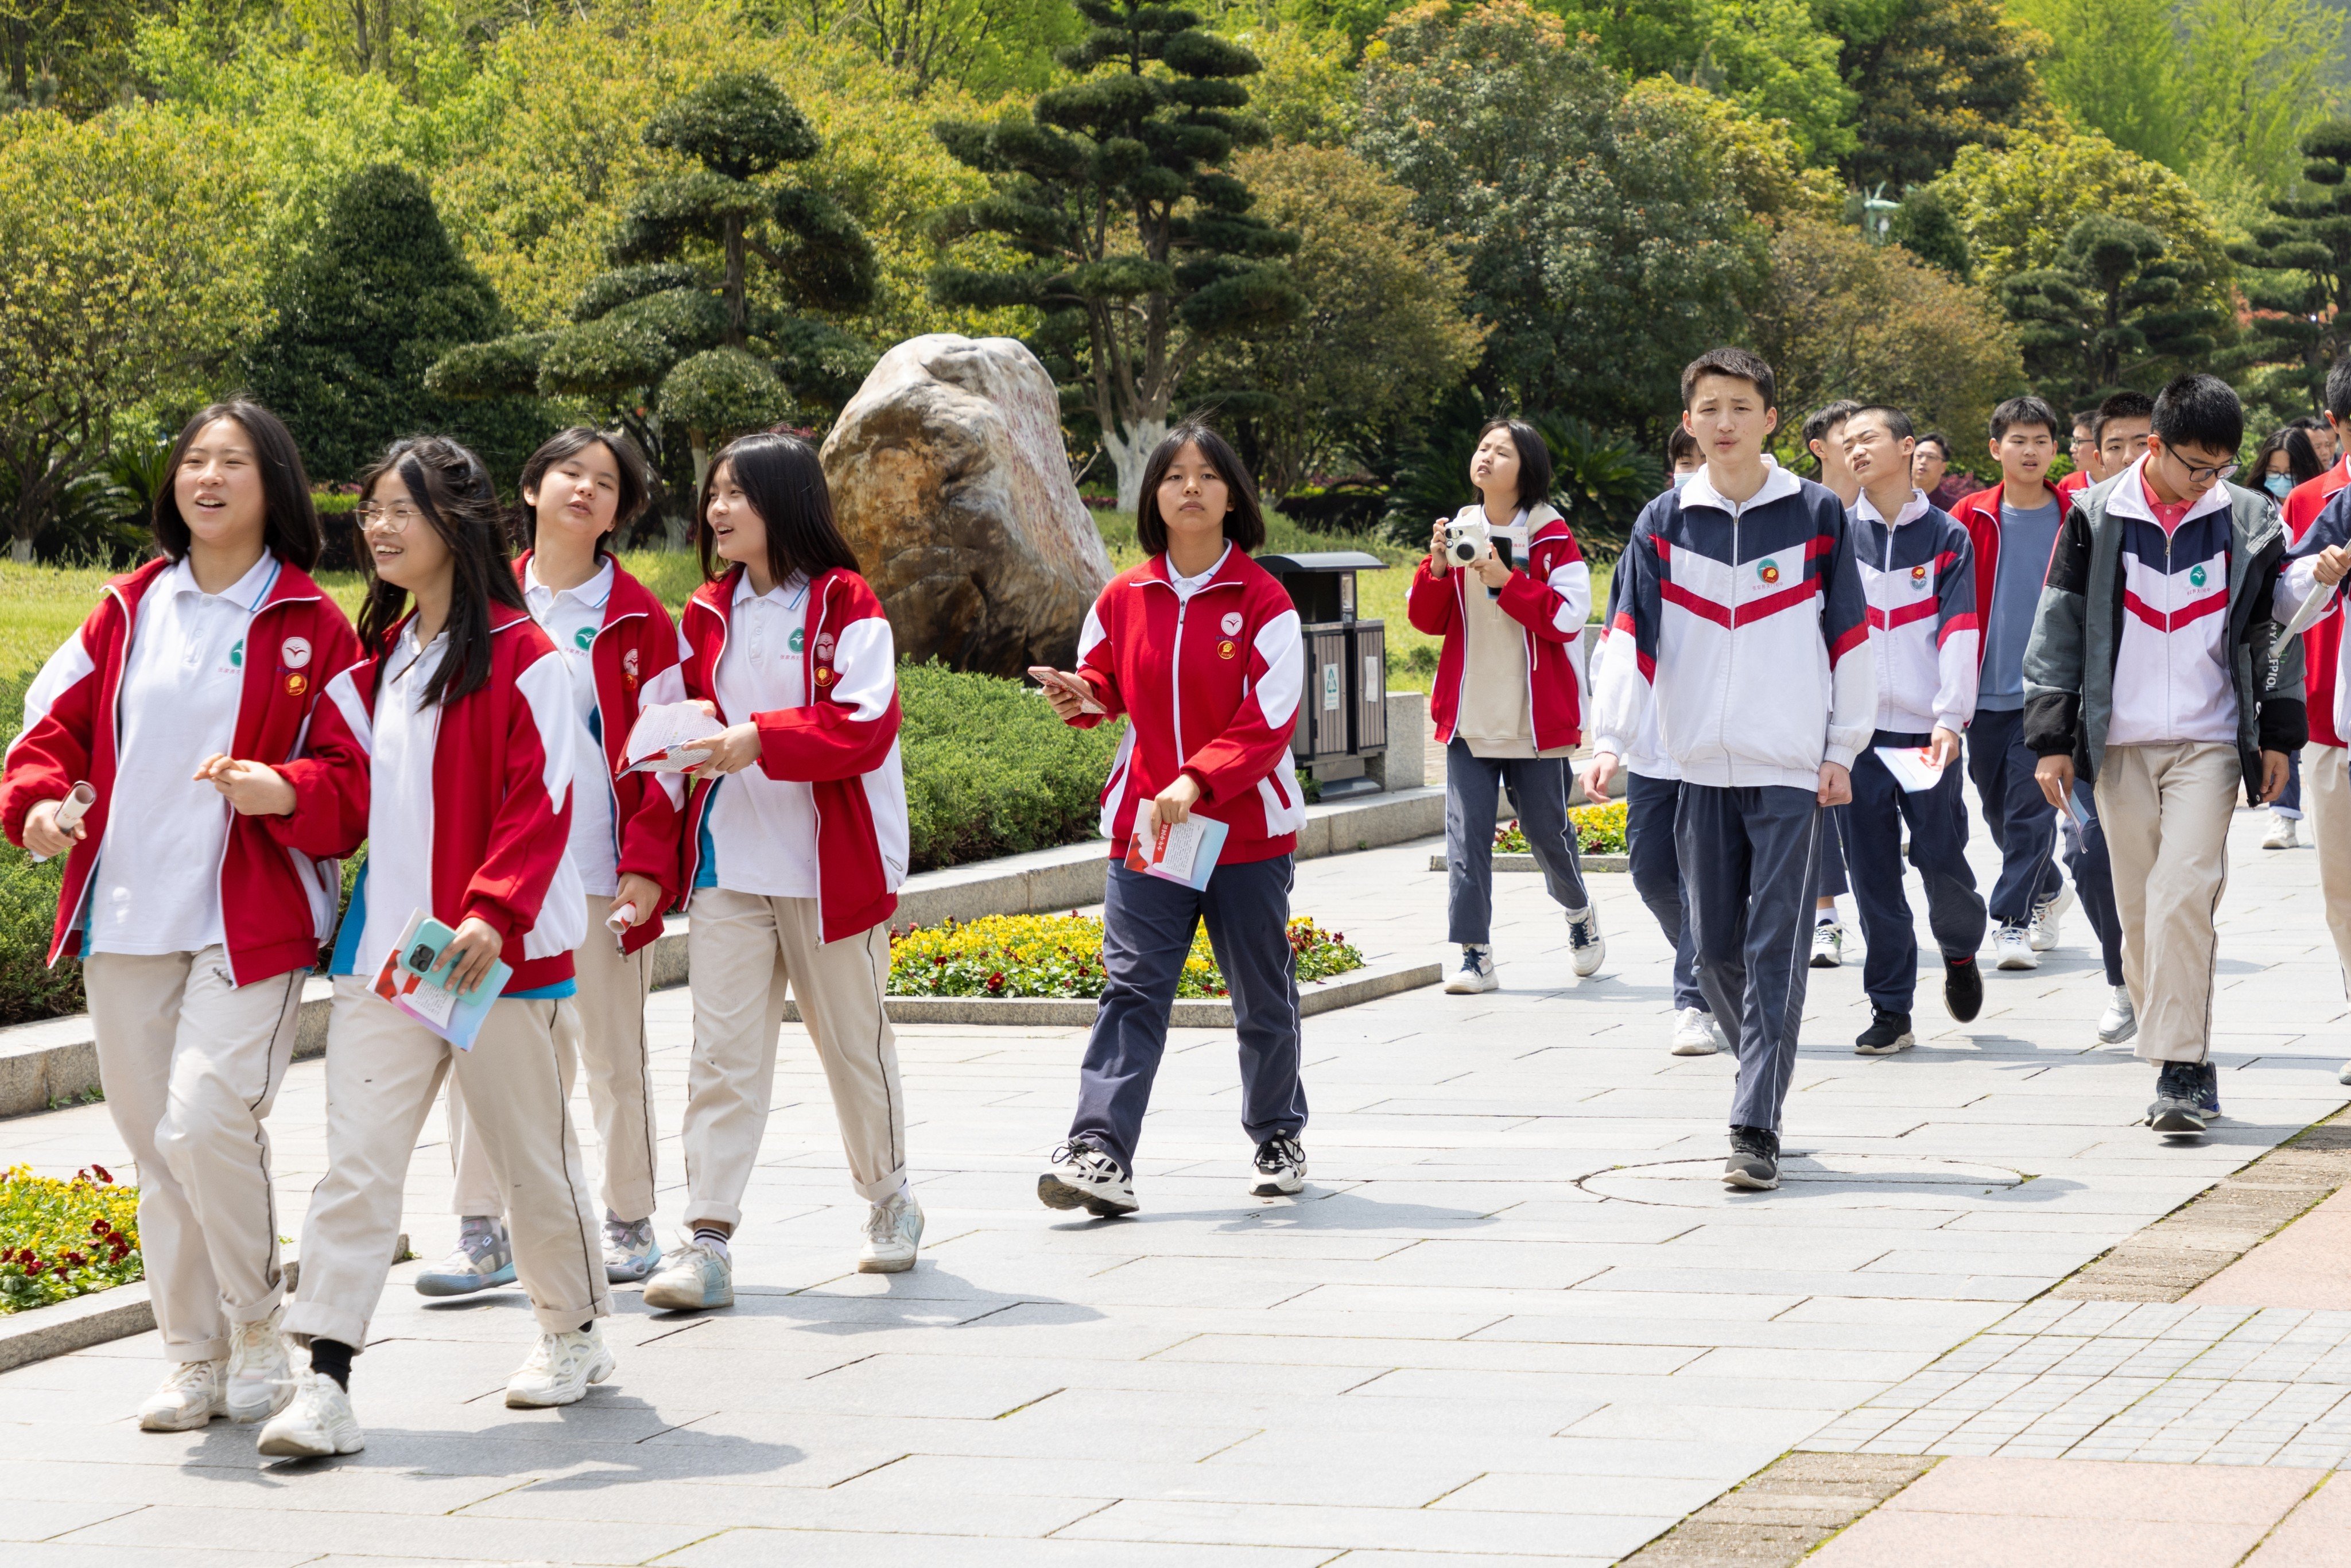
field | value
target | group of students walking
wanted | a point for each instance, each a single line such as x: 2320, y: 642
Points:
x: 234, y: 738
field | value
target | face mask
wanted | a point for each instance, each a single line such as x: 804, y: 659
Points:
x: 1683, y: 478
x: 2279, y: 485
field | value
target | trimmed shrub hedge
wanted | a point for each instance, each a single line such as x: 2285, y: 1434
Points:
x: 990, y: 771
x: 29, y: 989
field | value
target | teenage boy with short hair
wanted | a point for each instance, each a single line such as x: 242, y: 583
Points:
x: 2156, y: 672
x: 2013, y: 525
x: 2084, y: 451
x: 1917, y: 575
x: 2123, y: 421
x: 1743, y: 627
x: 1824, y: 435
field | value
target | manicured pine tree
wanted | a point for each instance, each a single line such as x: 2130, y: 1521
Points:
x: 2297, y: 270
x: 2112, y: 301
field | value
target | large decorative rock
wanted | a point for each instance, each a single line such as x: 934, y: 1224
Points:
x: 951, y: 482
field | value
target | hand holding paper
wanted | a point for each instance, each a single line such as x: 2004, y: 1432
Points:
x: 670, y: 738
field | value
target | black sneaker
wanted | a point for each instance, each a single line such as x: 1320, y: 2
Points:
x: 2207, y: 1091
x: 1962, y: 987
x: 1888, y: 1033
x: 2179, y: 1098
x: 1281, y: 1167
x: 1754, y: 1160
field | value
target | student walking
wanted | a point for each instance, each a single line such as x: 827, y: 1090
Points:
x: 195, y: 929
x: 2285, y: 460
x: 448, y: 749
x: 1509, y: 699
x: 792, y: 865
x: 1744, y: 611
x: 1199, y: 647
x: 1917, y: 575
x: 2322, y: 647
x: 2154, y: 672
x: 620, y: 651
x: 1823, y: 437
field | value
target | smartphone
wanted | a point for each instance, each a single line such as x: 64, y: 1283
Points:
x: 422, y: 956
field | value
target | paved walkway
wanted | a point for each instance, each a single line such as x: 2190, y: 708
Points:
x: 1515, y: 1318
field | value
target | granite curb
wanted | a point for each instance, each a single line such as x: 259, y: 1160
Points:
x: 1078, y: 1013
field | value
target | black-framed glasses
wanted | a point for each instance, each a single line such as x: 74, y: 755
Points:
x: 2208, y: 475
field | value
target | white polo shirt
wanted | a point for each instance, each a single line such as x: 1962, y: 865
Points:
x: 763, y: 829
x: 572, y: 617
x: 157, y: 886
x: 399, y: 798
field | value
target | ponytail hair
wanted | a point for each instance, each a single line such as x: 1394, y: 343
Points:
x: 452, y: 489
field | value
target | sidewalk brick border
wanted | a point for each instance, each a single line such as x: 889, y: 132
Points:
x: 1777, y: 1516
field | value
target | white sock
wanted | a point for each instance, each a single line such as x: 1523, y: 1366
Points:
x: 715, y: 1240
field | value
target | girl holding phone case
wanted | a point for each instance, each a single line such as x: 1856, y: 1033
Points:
x: 621, y: 649
x: 448, y: 749
x: 793, y: 865
x: 194, y: 926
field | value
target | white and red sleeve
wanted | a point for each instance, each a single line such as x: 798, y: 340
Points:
x: 1257, y: 740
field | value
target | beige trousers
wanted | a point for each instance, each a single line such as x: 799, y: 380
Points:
x: 745, y: 949
x: 2326, y: 796
x: 2166, y: 812
x: 613, y: 1044
x: 382, y: 1071
x: 190, y: 1062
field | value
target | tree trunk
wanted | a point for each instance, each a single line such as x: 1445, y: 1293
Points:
x: 700, y: 444
x: 20, y: 549
x: 738, y: 314
x: 1129, y: 453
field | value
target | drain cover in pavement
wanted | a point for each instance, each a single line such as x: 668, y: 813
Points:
x: 1822, y: 1180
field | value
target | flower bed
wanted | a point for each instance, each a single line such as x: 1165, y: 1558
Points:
x: 1061, y: 955
x: 1600, y: 831
x: 60, y: 1240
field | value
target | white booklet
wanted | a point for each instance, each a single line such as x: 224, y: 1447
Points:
x: 664, y: 739
x: 1913, y: 767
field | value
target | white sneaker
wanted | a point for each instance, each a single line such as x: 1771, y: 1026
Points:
x: 2281, y: 835
x: 894, y: 1232
x: 317, y: 1423
x: 696, y: 1276
x: 630, y: 1250
x: 1477, y: 971
x: 1585, y: 946
x: 1694, y: 1034
x: 560, y: 1369
x: 260, y: 1381
x: 188, y: 1398
x: 1828, y: 943
x: 2344, y: 1076
x: 484, y: 1260
x: 1280, y: 1168
x: 1082, y: 1176
x: 2046, y: 914
x: 2013, y: 947
x: 2119, y: 1023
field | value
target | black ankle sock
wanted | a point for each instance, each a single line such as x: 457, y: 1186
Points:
x: 333, y: 1358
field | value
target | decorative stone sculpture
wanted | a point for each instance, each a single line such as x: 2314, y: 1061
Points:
x: 951, y: 482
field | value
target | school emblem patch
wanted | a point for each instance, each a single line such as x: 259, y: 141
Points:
x: 824, y: 647
x: 799, y: 634
x: 237, y: 655
x: 629, y: 664
x: 823, y: 676
x: 2196, y: 575
x: 1917, y: 574
x: 1233, y: 623
x: 295, y: 652
x: 1225, y: 649
x: 1767, y: 570
x: 296, y: 683
x: 581, y: 638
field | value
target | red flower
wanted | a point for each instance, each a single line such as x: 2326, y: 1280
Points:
x: 75, y: 1260
x: 100, y: 1227
x: 995, y: 983
x: 940, y: 960
x: 33, y: 1271
x: 103, y: 1174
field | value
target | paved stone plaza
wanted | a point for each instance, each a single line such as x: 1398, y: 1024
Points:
x: 1515, y: 1318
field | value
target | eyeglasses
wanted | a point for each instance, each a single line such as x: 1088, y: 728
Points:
x: 2206, y: 475
x: 399, y: 515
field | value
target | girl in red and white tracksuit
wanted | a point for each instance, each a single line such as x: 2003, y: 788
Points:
x: 795, y: 844
x: 1199, y: 648
x: 622, y: 650
x: 194, y: 927
x: 448, y: 749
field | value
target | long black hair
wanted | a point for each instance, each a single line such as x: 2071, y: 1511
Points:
x: 1534, y: 459
x: 1244, y: 523
x: 636, y: 487
x: 452, y: 489
x: 785, y: 484
x: 291, y: 520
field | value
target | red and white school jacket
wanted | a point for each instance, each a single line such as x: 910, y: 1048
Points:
x: 1210, y: 686
x: 277, y: 903
x: 491, y: 814
x: 637, y: 660
x: 1551, y: 598
x: 842, y: 744
x: 2322, y: 644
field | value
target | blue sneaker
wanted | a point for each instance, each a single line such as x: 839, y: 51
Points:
x: 484, y: 1261
x: 629, y: 1249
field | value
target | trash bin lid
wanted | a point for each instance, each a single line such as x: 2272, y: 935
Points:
x: 1323, y: 560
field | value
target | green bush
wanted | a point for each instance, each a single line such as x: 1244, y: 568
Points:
x: 29, y: 988
x: 990, y: 771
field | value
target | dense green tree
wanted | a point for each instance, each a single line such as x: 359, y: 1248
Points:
x: 2114, y: 308
x: 1130, y: 234
x: 1939, y: 75
x: 380, y: 295
x: 2297, y: 272
x: 2119, y: 68
x: 72, y: 55
x: 987, y: 45
x: 1773, y: 57
x: 2261, y: 72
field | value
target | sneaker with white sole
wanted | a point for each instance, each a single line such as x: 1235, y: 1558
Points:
x: 1082, y: 1176
x: 189, y: 1397
x: 2047, y: 916
x: 2013, y: 949
x: 1754, y: 1162
x: 1888, y: 1033
x: 1585, y: 947
x: 630, y: 1250
x: 2181, y: 1103
x: 1694, y: 1034
x: 696, y: 1278
x: 316, y: 1423
x: 894, y: 1234
x: 1476, y: 973
x: 2119, y: 1023
x: 260, y: 1378
x: 483, y: 1261
x: 2282, y: 834
x: 1828, y: 943
x: 560, y: 1369
x: 1280, y: 1168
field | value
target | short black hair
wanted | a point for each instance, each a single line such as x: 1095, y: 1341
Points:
x: 1534, y: 458
x: 1826, y: 418
x: 2126, y: 405
x: 1244, y: 523
x: 780, y: 477
x: 2198, y: 410
x: 1942, y: 443
x: 1679, y: 444
x: 289, y: 525
x: 1740, y: 364
x: 637, y: 486
x: 2338, y: 388
x: 1897, y: 423
x: 2026, y: 410
x: 2088, y: 416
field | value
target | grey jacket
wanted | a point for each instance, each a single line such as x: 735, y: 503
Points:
x: 2077, y: 630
